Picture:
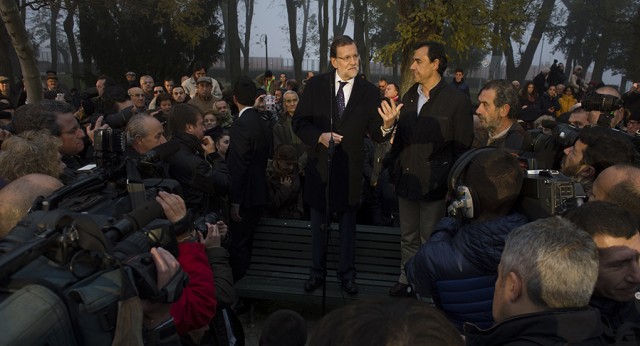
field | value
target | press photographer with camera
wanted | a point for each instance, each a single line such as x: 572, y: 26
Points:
x: 197, y: 305
x: 200, y: 170
x: 58, y: 118
x: 595, y: 149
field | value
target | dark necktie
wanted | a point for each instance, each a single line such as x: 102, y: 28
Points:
x: 340, y: 97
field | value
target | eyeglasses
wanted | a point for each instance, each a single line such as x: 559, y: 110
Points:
x: 158, y: 91
x: 72, y: 131
x: 349, y: 58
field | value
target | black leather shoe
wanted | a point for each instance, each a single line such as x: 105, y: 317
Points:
x: 401, y: 290
x: 349, y: 286
x: 312, y: 284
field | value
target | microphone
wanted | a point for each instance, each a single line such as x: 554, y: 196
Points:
x: 159, y: 153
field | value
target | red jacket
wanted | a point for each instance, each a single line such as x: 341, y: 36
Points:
x: 197, y: 305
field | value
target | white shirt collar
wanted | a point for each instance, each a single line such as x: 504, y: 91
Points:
x: 242, y: 111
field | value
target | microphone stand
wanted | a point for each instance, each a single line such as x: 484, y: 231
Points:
x: 327, y: 224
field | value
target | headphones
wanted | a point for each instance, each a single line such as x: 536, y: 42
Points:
x: 465, y: 201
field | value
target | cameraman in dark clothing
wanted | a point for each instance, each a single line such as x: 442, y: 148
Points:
x: 197, y: 166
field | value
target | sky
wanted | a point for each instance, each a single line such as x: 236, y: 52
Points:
x: 278, y: 38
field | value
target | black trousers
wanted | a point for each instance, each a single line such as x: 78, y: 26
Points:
x: 242, y: 241
x: 347, y: 233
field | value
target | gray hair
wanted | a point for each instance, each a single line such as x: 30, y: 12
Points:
x: 290, y: 92
x: 137, y: 127
x: 505, y: 95
x: 557, y: 261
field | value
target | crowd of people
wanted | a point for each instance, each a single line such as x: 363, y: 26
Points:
x: 337, y: 148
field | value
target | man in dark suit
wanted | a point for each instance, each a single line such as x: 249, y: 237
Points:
x: 251, y: 147
x: 339, y: 107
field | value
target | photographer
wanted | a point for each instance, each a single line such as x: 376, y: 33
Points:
x: 197, y: 305
x: 604, y: 106
x: 595, y: 149
x: 58, y: 118
x: 197, y: 166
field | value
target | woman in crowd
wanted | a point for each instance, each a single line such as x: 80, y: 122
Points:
x: 567, y: 100
x: 30, y: 152
x: 530, y: 108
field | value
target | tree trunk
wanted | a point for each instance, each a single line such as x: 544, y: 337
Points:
x: 248, y: 17
x: 225, y: 24
x: 8, y: 60
x: 520, y: 72
x: 24, y: 48
x: 601, y: 56
x: 297, y: 51
x: 405, y: 8
x: 85, y: 24
x: 359, y: 30
x: 292, y: 14
x: 323, y: 29
x: 233, y: 41
x: 71, y: 39
x: 53, y: 33
x: 340, y: 16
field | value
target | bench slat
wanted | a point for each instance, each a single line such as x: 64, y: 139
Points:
x: 282, y: 257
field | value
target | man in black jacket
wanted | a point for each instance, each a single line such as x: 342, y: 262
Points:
x: 197, y: 166
x: 251, y: 147
x: 434, y: 129
x: 545, y: 278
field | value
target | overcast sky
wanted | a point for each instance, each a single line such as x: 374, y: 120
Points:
x: 271, y: 17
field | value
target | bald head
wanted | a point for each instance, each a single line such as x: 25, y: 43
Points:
x: 607, y: 90
x: 17, y: 197
x: 619, y: 184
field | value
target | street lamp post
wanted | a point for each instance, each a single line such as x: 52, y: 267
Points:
x: 266, y: 52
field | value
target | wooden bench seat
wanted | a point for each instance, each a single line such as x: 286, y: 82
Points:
x: 282, y: 257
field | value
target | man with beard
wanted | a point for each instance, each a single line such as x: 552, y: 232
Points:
x: 203, y: 99
x: 596, y: 149
x: 497, y: 111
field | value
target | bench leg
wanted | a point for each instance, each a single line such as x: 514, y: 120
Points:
x: 252, y: 315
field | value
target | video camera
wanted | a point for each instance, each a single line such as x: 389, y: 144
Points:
x: 548, y: 192
x: 102, y: 220
x: 544, y: 150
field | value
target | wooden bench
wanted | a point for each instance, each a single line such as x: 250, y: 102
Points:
x: 282, y: 257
